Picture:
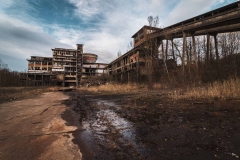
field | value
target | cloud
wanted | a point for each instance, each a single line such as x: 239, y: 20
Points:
x: 6, y: 3
x: 103, y: 26
x: 120, y: 21
x: 21, y: 43
x: 86, y: 8
x: 186, y: 9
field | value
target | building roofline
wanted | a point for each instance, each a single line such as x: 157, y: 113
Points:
x: 64, y: 49
x: 97, y: 63
x: 41, y: 56
x: 123, y: 55
x: 148, y: 27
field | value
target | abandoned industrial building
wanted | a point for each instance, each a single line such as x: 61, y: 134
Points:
x: 90, y: 68
x: 66, y: 67
x: 148, y: 57
x: 136, y: 64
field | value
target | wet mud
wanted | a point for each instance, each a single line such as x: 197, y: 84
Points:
x: 151, y: 126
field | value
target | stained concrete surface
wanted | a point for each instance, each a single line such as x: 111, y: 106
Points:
x: 33, y: 129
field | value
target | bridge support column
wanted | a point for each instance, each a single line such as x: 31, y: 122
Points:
x: 183, y: 52
x: 216, y: 47
x: 166, y: 52
x: 163, y: 56
x: 208, y: 45
x: 173, y: 54
x: 195, y: 50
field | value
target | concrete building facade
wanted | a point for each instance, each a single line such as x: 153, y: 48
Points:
x: 91, y: 68
x: 38, y: 64
x: 67, y: 65
x: 136, y: 64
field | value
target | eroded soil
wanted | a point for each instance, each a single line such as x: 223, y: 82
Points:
x: 151, y: 126
x: 33, y: 129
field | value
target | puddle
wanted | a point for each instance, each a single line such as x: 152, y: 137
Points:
x: 110, y: 130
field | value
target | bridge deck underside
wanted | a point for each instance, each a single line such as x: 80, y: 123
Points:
x: 227, y: 21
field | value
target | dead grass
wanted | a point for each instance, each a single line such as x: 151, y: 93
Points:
x: 11, y: 93
x: 123, y: 88
x: 116, y: 88
x: 229, y: 89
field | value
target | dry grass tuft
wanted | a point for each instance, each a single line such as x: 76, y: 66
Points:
x: 159, y: 86
x: 123, y: 88
x: 116, y: 88
x: 10, y: 93
x: 229, y: 89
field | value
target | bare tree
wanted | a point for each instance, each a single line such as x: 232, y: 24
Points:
x: 119, y: 54
x: 131, y: 44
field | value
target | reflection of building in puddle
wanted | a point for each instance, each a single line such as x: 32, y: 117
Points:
x: 109, y: 122
x: 106, y: 103
x: 108, y: 127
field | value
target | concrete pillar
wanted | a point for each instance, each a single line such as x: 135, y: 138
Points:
x: 183, y: 52
x: 41, y: 66
x: 210, y: 52
x: 216, y: 46
x: 78, y: 48
x: 195, y: 50
x: 173, y: 54
x: 208, y: 44
x: 163, y: 56
x: 166, y: 52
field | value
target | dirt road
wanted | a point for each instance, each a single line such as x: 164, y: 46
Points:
x: 33, y: 129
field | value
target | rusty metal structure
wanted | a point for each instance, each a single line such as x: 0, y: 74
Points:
x: 140, y: 62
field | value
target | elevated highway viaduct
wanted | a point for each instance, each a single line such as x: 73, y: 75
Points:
x: 137, y: 60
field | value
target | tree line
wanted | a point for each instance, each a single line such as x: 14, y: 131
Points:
x: 7, y: 77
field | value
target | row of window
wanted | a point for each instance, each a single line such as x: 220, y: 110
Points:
x: 43, y: 63
x: 64, y: 53
x: 39, y: 68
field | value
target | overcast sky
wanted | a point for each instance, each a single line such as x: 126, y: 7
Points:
x: 34, y: 27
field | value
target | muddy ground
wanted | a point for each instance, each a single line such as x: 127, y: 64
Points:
x: 75, y: 125
x: 151, y: 126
